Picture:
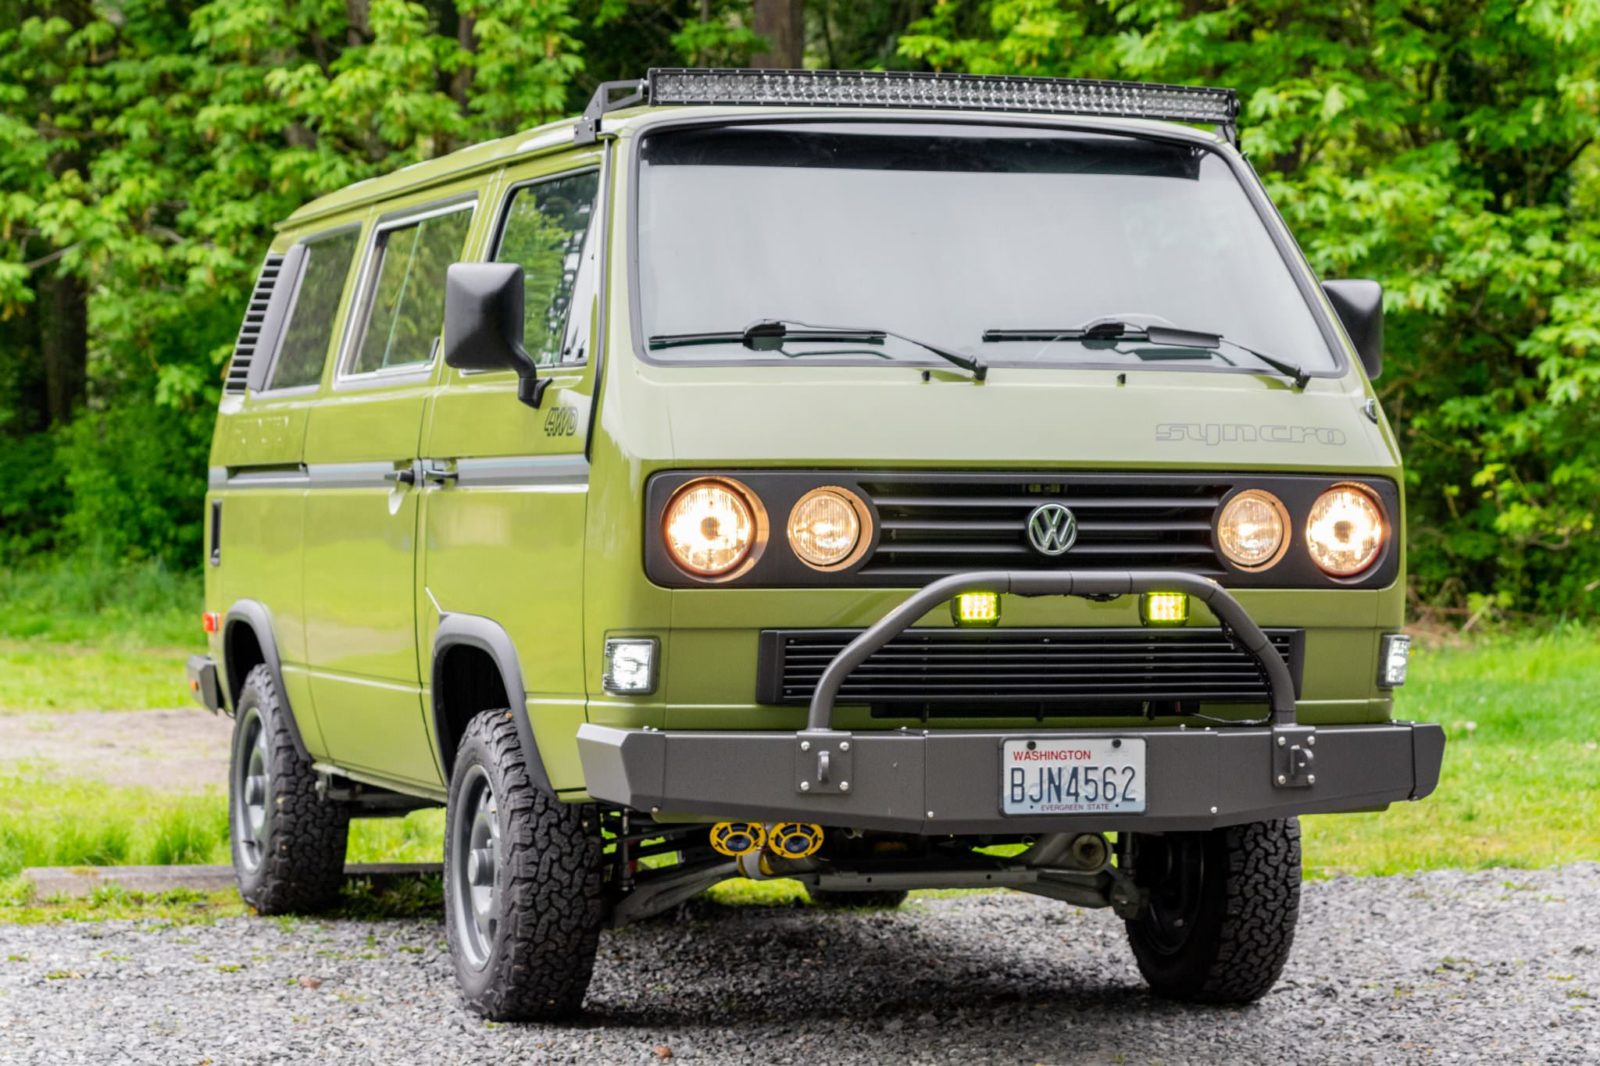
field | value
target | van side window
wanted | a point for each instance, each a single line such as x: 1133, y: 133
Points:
x: 305, y: 340
x: 546, y: 230
x: 405, y: 302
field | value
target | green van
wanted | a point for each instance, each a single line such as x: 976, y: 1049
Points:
x: 884, y: 481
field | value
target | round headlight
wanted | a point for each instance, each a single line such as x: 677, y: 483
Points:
x: 1344, y: 531
x: 1253, y: 529
x: 825, y: 527
x: 710, y: 526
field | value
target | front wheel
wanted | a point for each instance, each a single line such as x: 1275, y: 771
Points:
x: 523, y: 902
x: 1221, y: 912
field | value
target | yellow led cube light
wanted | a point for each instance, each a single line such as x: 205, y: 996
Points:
x: 976, y: 609
x: 1164, y: 608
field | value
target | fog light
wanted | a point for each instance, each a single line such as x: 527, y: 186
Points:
x: 630, y: 666
x: 1164, y: 608
x: 976, y: 609
x: 1394, y: 653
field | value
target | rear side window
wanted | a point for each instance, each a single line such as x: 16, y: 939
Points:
x: 546, y: 230
x: 305, y: 341
x: 405, y: 302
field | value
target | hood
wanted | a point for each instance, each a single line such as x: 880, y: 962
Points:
x: 872, y: 416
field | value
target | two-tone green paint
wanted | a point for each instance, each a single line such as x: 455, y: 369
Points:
x: 356, y: 576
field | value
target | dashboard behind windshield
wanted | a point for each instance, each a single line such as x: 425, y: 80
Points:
x: 945, y: 232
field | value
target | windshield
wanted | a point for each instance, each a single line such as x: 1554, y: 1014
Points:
x: 948, y: 232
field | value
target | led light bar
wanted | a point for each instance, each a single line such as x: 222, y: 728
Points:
x: 962, y: 92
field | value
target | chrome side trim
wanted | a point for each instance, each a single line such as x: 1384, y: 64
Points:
x: 364, y: 475
x: 536, y: 471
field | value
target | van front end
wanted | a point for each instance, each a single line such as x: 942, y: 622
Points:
x: 1093, y: 604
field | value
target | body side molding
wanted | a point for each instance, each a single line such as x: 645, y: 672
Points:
x: 488, y: 636
x: 254, y: 616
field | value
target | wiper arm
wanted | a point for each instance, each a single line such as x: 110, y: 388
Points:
x: 770, y: 335
x: 1165, y: 336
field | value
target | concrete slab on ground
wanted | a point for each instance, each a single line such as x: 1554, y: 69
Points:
x: 49, y: 881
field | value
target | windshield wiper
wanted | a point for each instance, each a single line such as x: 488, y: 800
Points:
x: 1164, y: 336
x: 770, y: 335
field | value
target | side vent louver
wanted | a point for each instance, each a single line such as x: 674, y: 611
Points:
x: 255, y: 318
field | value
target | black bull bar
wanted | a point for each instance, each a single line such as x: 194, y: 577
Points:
x: 948, y: 781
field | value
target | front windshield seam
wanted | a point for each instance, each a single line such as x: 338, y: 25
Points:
x: 1266, y: 211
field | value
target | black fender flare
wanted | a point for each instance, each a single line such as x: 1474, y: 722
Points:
x: 254, y: 616
x: 488, y: 636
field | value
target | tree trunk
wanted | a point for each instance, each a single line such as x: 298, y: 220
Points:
x: 63, y: 344
x: 783, y: 24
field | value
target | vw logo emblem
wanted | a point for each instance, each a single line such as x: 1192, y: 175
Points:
x: 1052, y: 529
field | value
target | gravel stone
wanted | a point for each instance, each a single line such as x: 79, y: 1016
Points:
x: 1452, y: 966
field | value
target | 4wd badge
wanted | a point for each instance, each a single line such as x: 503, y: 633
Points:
x: 1052, y: 529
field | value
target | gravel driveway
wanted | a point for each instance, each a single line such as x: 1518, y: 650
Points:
x: 1499, y: 966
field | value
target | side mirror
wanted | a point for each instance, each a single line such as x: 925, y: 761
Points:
x: 1360, y: 307
x: 483, y: 324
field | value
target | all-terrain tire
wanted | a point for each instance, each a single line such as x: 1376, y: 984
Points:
x: 291, y: 860
x: 1234, y: 939
x: 885, y: 899
x: 547, y: 902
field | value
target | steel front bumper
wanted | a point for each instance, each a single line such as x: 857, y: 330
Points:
x: 949, y: 781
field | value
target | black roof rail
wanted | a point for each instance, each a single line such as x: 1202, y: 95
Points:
x: 916, y: 89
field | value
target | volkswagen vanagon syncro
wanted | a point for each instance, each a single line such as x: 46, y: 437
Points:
x: 883, y: 481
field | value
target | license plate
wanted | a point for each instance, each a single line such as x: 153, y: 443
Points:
x: 1104, y: 775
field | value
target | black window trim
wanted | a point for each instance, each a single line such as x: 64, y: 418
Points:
x: 1289, y: 250
x: 359, y: 311
x: 596, y: 231
x: 294, y: 303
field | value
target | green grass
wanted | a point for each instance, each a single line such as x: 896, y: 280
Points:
x: 1517, y: 788
x: 1520, y: 764
x: 80, y: 635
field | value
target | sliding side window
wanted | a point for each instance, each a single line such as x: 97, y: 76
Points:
x: 405, y: 302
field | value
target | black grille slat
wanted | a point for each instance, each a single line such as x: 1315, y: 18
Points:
x: 255, y: 317
x: 932, y: 528
x: 1024, y: 669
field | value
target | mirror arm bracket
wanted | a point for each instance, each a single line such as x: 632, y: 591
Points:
x: 530, y: 387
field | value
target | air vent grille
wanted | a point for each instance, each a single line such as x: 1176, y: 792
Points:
x: 255, y: 317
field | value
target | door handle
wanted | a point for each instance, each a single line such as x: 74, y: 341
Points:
x: 408, y: 476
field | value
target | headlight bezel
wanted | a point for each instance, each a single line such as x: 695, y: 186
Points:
x: 894, y: 527
x: 1285, y: 528
x: 753, y: 549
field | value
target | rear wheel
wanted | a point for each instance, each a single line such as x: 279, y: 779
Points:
x: 288, y: 843
x: 523, y: 903
x: 886, y: 899
x: 1222, y: 910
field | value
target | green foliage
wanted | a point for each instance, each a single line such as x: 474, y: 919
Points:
x: 80, y: 600
x: 1448, y: 151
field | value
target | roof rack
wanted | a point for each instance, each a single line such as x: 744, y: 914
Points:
x: 915, y: 89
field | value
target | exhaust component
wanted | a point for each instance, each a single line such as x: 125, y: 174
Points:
x: 738, y: 838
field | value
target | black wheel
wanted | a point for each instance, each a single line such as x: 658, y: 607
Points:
x: 288, y: 844
x: 886, y: 899
x: 523, y: 902
x: 1222, y: 910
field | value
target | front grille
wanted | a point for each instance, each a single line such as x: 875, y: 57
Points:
x: 932, y: 527
x: 1028, y: 671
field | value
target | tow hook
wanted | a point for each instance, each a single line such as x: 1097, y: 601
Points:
x: 1293, y: 761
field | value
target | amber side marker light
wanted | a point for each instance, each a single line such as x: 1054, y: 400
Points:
x: 976, y: 609
x: 1164, y: 608
x: 209, y: 621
